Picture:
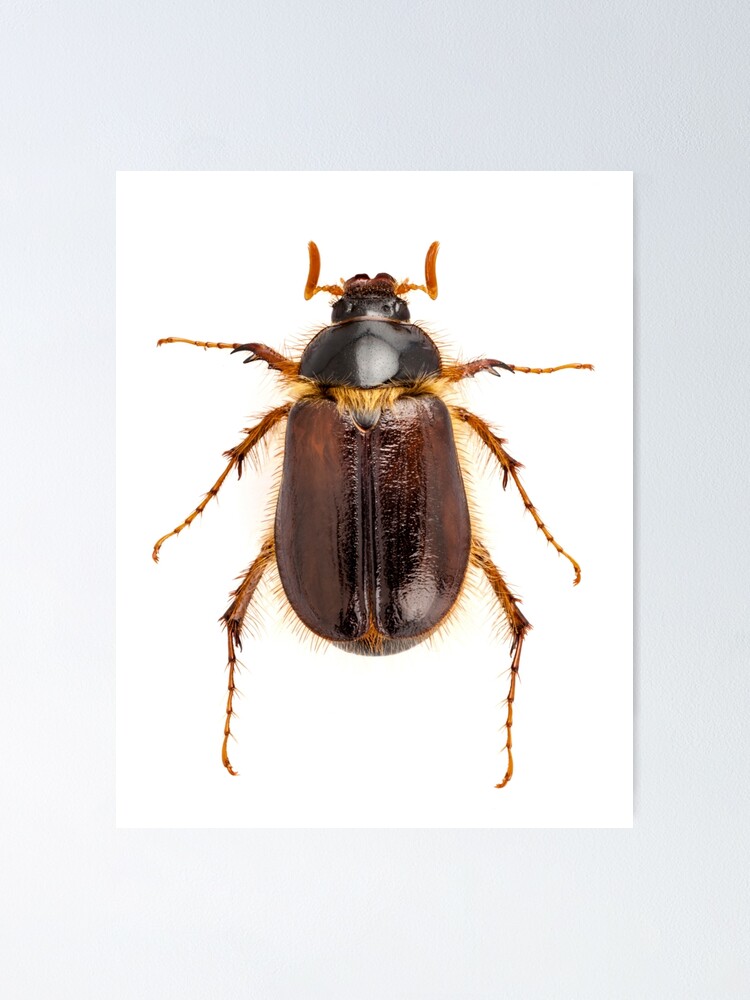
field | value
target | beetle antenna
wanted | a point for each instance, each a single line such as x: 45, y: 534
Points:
x: 312, y: 287
x: 430, y: 275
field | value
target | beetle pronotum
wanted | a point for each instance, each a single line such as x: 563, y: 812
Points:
x: 373, y: 536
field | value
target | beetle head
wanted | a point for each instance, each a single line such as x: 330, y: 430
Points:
x: 366, y: 296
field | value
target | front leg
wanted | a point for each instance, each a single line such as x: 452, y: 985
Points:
x: 454, y: 373
x: 274, y: 360
x: 258, y: 352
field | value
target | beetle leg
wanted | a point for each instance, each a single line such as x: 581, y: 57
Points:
x: 547, y: 371
x: 274, y: 360
x: 205, y: 344
x: 454, y: 373
x: 232, y: 620
x: 519, y: 626
x: 236, y: 456
x: 259, y: 352
x: 510, y: 469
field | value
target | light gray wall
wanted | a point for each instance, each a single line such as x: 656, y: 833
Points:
x: 660, y: 88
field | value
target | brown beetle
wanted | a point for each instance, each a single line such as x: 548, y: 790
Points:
x: 373, y: 536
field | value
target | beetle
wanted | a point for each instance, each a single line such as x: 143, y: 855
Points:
x: 373, y: 536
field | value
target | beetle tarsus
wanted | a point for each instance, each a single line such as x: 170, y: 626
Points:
x: 225, y: 757
x: 548, y: 371
x: 509, y: 772
x: 205, y: 344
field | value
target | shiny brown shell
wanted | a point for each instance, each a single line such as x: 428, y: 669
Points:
x: 372, y: 532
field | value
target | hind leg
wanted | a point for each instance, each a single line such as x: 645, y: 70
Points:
x: 233, y: 619
x: 519, y: 626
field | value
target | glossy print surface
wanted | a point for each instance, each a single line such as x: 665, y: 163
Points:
x: 372, y: 535
x: 372, y: 526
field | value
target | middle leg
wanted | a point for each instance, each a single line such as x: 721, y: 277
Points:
x: 510, y: 470
x: 237, y: 457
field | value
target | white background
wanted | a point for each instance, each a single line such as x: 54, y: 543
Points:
x: 659, y: 911
x: 534, y: 269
